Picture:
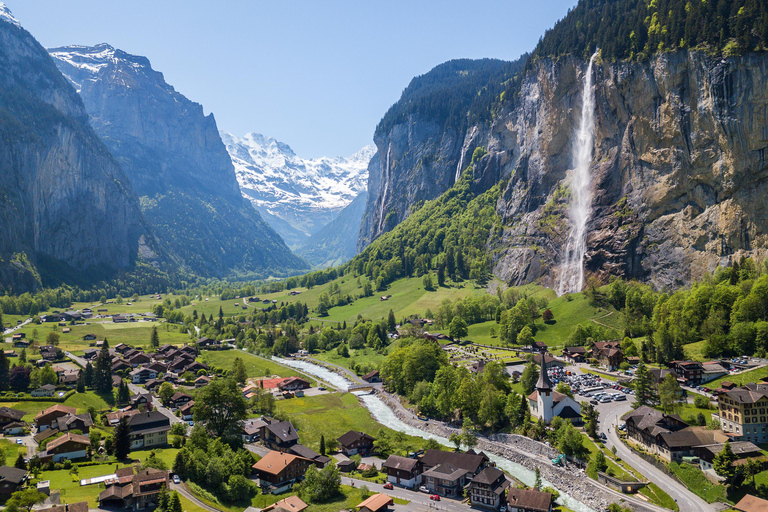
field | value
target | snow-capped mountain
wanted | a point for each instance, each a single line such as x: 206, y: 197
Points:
x: 7, y: 16
x: 297, y: 196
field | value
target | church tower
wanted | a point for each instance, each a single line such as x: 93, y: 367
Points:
x: 544, y: 389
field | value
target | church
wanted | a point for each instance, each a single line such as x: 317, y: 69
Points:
x: 546, y: 403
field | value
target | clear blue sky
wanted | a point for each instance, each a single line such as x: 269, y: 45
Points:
x: 318, y: 75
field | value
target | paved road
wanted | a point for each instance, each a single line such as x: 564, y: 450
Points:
x: 181, y: 489
x: 419, y: 500
x: 610, y: 417
x: 15, y: 327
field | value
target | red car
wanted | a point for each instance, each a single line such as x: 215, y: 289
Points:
x: 388, y: 485
x: 435, y: 497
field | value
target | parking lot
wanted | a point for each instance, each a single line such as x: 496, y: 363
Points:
x: 589, y: 387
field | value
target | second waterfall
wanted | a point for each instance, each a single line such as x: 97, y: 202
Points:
x: 571, y: 275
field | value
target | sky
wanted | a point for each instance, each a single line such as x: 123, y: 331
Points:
x: 317, y: 75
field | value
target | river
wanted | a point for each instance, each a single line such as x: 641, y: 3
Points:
x: 385, y: 416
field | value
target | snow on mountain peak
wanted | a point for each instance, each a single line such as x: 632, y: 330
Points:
x: 7, y: 16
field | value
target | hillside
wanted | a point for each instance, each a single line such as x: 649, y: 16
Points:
x: 67, y: 207
x: 177, y: 163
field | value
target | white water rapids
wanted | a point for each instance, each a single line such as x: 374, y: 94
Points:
x: 385, y: 416
x: 571, y: 276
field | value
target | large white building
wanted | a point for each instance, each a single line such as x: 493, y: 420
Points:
x: 545, y: 403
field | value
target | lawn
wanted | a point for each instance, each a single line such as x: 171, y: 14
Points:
x: 12, y: 451
x: 570, y: 311
x: 255, y: 366
x: 69, y: 484
x: 356, y: 357
x: 741, y: 378
x: 82, y: 401
x: 331, y: 415
x: 694, y: 479
x: 694, y: 351
x: 167, y: 454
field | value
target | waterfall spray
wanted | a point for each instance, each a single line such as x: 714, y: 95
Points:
x: 385, y: 179
x: 571, y: 277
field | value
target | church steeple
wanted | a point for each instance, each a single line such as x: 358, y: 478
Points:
x: 543, y: 384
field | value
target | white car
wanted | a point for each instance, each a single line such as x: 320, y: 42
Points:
x: 176, y: 479
x: 424, y: 489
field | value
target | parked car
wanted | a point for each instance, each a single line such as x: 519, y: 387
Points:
x: 435, y: 497
x: 176, y: 479
x: 388, y: 485
x: 424, y: 489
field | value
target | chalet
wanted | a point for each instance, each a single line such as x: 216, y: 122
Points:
x: 206, y: 342
x: 119, y: 319
x: 153, y: 384
x: 712, y: 371
x: 302, y: 451
x: 8, y: 415
x: 251, y: 430
x: 402, y: 471
x: 67, y: 447
x: 743, y: 450
x: 486, y: 489
x: 116, y: 381
x: 372, y: 377
x: 354, y: 442
x: 194, y: 367
x: 692, y: 372
x: 11, y: 479
x: 346, y: 466
x: 71, y: 316
x: 289, y: 504
x: 158, y: 367
x: 122, y: 348
x: 136, y: 492
x: 50, y: 353
x: 293, y: 384
x: 90, y: 354
x: 659, y: 374
x: 82, y: 422
x: 540, y: 347
x: 142, y: 402
x: 21, y: 343
x: 80, y: 506
x: 279, y: 436
x: 608, y: 354
x: 575, y: 354
x: 142, y: 375
x: 52, y: 317
x: 528, y: 500
x: 89, y: 337
x: 550, y: 361
x: 113, y: 418
x: 148, y: 429
x: 448, y: 473
x: 202, y: 380
x: 185, y: 410
x: 46, y: 390
x: 277, y: 471
x: 178, y: 399
x: 69, y: 378
x: 18, y: 336
x: 14, y: 428
x: 138, y: 358
x: 750, y: 503
x: 10, y: 353
x: 120, y: 365
x: 375, y: 503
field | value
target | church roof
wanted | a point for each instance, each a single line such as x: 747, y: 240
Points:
x: 543, y: 383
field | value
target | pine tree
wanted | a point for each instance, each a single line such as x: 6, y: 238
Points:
x: 723, y: 461
x: 121, y: 439
x: 537, y: 481
x: 391, y: 322
x: 5, y: 371
x: 123, y: 393
x: 644, y: 392
x: 322, y: 445
x: 80, y: 382
x: 221, y: 313
x: 23, y: 356
x: 175, y: 504
x: 102, y: 375
x: 89, y: 374
x: 155, y: 339
x: 20, y: 464
x: 238, y: 371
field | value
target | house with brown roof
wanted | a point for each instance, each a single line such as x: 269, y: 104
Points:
x: 486, y: 489
x: 250, y: 430
x: 354, y: 442
x: 743, y: 450
x: 751, y: 503
x: 302, y: 451
x: 142, y: 375
x: 148, y: 429
x: 692, y: 372
x: 48, y: 418
x: 46, y: 390
x: 80, y: 506
x: 277, y: 471
x: 10, y: 479
x: 138, y: 491
x: 293, y: 384
x: 528, y: 500
x: 371, y: 377
x: 178, y: 399
x: 448, y: 473
x: 376, y: 503
x: 608, y: 354
x: 279, y: 436
x: 575, y: 354
x: 67, y: 447
x: 186, y: 410
x: 289, y: 504
x: 402, y: 471
x: 8, y: 415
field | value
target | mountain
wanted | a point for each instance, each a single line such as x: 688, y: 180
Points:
x: 67, y: 207
x: 677, y: 174
x: 336, y: 242
x: 177, y: 163
x: 297, y: 196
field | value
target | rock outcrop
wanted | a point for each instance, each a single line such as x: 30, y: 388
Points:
x: 176, y: 161
x: 65, y: 202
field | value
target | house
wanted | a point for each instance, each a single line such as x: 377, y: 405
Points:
x: 67, y: 447
x: 120, y: 365
x: 50, y: 353
x: 251, y: 430
x: 293, y: 384
x: 138, y: 359
x: 142, y: 375
x: 659, y: 374
x: 751, y: 503
x: 372, y: 377
x: 548, y: 360
x: 289, y: 504
x: 575, y: 354
x: 148, y: 429
x: 82, y: 422
x: 178, y: 399
x: 528, y: 500
x: 545, y: 403
x: 346, y: 466
x: 186, y: 410
x: 80, y: 506
x: 69, y: 378
x: 114, y: 417
x: 48, y: 418
x: 89, y: 337
x: 486, y: 489
x: 10, y: 479
x: 202, y: 380
x: 742, y: 412
x: 354, y: 442
x: 712, y: 371
x: 448, y: 473
x: 15, y: 428
x: 122, y: 348
x: 206, y: 343
x: 152, y: 384
x: 142, y: 402
x: 138, y: 491
x: 540, y: 347
x: 119, y: 319
x: 116, y: 381
x: 608, y: 354
x: 90, y: 354
x: 692, y: 372
x: 376, y: 503
x: 402, y: 471
x: 277, y: 471
x: 20, y: 343
x: 279, y: 436
x: 8, y: 415
x: 744, y: 450
x: 302, y: 451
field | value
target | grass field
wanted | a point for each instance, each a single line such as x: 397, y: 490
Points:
x: 356, y: 356
x: 741, y: 378
x: 80, y: 401
x: 331, y: 415
x: 255, y: 366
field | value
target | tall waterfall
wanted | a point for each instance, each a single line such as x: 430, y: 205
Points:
x: 571, y: 277
x: 385, y: 179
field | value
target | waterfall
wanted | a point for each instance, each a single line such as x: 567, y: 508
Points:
x: 385, y: 179
x: 571, y: 277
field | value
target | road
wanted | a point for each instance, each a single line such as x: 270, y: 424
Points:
x: 181, y: 489
x: 15, y: 327
x: 419, y: 500
x: 610, y: 418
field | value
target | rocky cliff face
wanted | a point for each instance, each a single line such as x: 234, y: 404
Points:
x: 64, y: 201
x: 336, y: 242
x: 176, y: 161
x: 678, y: 173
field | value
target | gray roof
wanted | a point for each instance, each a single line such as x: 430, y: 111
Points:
x: 400, y: 463
x: 543, y: 383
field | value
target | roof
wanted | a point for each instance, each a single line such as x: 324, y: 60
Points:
x: 400, y: 463
x: 354, y: 436
x: 58, y: 408
x: 291, y: 503
x: 145, y: 418
x: 274, y: 462
x: 471, y: 461
x: 80, y: 506
x: 575, y: 350
x: 751, y: 503
x: 284, y: 431
x: 447, y: 471
x: 7, y: 412
x: 556, y: 396
x: 488, y: 476
x: 376, y: 502
x: 178, y: 395
x: 530, y: 499
x: 11, y: 474
x: 68, y: 437
x: 568, y: 412
x: 303, y: 451
x: 543, y: 383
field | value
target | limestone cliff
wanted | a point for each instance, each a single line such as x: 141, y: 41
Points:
x: 64, y: 201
